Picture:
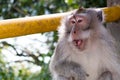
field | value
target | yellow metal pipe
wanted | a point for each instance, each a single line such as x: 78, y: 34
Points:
x: 45, y: 23
x: 29, y: 25
x: 111, y: 13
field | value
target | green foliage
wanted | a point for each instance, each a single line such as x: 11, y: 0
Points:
x: 21, y: 8
x: 8, y: 73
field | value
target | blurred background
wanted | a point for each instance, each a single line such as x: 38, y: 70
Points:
x: 27, y: 57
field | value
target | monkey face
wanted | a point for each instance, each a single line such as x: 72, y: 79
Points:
x: 78, y: 29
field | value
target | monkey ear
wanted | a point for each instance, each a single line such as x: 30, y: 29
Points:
x: 100, y: 15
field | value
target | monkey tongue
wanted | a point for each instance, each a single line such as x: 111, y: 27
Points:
x: 79, y: 43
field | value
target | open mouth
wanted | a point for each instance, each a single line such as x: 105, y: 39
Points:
x: 79, y: 43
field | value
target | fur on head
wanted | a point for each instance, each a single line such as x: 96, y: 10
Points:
x: 85, y: 23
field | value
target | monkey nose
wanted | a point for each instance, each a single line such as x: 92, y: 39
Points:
x: 74, y: 32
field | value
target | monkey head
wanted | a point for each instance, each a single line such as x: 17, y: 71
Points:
x: 80, y: 25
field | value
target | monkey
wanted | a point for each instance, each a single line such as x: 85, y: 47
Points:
x: 85, y: 49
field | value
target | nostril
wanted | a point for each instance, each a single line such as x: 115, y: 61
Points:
x: 74, y: 32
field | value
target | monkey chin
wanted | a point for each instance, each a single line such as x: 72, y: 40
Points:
x: 80, y: 44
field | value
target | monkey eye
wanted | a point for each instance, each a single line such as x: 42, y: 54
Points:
x: 72, y: 21
x: 79, y: 20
